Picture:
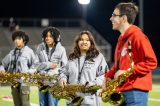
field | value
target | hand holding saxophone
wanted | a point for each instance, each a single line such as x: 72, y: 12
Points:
x: 63, y: 83
x: 118, y: 73
x: 53, y: 66
x: 105, y: 83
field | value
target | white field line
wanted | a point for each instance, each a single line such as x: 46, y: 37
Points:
x: 10, y: 100
x: 155, y: 100
x: 155, y: 89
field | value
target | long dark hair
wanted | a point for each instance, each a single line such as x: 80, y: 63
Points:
x: 91, y: 53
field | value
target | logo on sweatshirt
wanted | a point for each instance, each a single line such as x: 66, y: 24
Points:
x: 124, y: 51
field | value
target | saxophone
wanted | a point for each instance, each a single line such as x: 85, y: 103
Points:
x: 110, y: 94
x: 45, y: 83
x: 38, y: 79
x: 70, y: 91
x: 10, y: 78
x: 30, y: 79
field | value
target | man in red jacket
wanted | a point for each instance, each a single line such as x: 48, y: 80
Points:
x: 135, y: 88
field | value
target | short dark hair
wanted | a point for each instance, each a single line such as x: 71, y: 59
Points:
x: 22, y: 35
x: 128, y: 9
x: 54, y: 32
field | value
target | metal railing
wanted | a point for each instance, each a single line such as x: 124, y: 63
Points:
x: 37, y: 22
x: 103, y: 45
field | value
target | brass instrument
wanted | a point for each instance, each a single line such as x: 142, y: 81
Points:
x: 9, y: 77
x: 44, y: 87
x: 70, y: 91
x: 31, y: 79
x: 36, y: 78
x: 110, y: 94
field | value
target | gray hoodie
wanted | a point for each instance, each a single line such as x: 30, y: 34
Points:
x: 92, y: 72
x: 22, y: 62
x: 58, y: 57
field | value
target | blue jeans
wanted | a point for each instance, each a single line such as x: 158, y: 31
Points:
x: 135, y: 98
x: 46, y: 99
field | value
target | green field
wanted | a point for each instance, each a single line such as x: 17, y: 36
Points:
x: 154, y: 97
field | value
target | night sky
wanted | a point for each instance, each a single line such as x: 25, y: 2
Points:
x: 98, y: 14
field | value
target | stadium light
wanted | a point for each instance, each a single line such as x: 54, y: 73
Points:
x: 84, y: 4
x: 84, y: 1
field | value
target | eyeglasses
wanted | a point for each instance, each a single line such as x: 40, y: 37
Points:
x: 115, y: 15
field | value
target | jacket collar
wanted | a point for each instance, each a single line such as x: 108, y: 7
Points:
x: 132, y: 29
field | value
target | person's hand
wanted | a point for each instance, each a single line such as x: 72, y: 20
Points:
x: 118, y: 73
x: 105, y: 83
x: 2, y: 73
x: 63, y: 83
x: 53, y: 66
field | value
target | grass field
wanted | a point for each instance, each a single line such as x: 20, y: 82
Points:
x: 154, y: 97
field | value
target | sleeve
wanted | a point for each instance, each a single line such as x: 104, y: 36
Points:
x: 41, y: 66
x: 65, y: 73
x: 62, y: 64
x: 111, y: 72
x: 102, y: 68
x: 33, y: 63
x: 1, y: 67
x: 5, y: 62
x: 64, y: 58
x: 148, y: 60
x: 31, y: 58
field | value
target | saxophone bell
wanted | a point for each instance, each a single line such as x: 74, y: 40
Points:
x: 116, y: 98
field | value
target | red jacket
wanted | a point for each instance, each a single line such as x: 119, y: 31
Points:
x: 143, y: 56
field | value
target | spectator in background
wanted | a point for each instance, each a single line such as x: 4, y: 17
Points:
x: 17, y: 27
x: 12, y: 24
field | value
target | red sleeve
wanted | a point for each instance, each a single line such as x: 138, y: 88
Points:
x: 110, y: 73
x: 148, y: 59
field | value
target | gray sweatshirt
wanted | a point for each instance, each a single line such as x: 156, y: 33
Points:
x: 19, y: 60
x: 58, y: 56
x: 90, y: 71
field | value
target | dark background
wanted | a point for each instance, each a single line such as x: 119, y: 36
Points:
x: 98, y: 14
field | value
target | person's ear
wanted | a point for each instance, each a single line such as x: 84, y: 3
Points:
x: 125, y: 19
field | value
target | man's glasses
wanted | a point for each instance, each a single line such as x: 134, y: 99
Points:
x: 115, y: 15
